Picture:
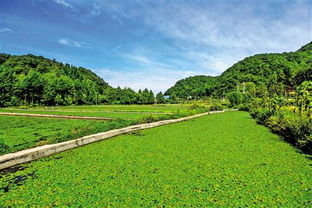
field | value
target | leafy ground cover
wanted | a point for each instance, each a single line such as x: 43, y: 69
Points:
x: 222, y: 160
x: 120, y: 115
x: 160, y: 108
x: 132, y: 112
x: 18, y: 133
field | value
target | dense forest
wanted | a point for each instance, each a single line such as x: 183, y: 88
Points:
x: 30, y: 80
x: 274, y: 73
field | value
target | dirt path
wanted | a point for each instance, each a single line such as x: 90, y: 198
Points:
x: 56, y: 116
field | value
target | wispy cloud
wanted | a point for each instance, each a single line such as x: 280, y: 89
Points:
x: 215, y: 35
x: 153, y: 44
x: 117, y: 47
x: 64, y: 3
x: 2, y: 30
x: 96, y: 9
x: 245, y: 25
x: 69, y: 42
x: 141, y: 59
x: 157, y: 79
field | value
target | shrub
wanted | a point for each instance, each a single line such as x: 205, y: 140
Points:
x: 235, y: 98
x: 294, y: 125
x: 195, y: 108
x: 216, y: 107
x: 261, y: 114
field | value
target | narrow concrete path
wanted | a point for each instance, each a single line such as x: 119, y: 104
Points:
x: 55, y: 116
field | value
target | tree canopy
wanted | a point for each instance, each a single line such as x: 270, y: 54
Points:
x: 30, y: 79
x: 276, y: 72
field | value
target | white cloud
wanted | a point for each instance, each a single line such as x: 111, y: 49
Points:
x: 200, y: 37
x: 216, y: 35
x: 228, y: 25
x: 146, y: 61
x: 117, y: 47
x: 156, y: 79
x: 2, y: 30
x: 96, y: 9
x: 64, y: 3
x: 69, y: 42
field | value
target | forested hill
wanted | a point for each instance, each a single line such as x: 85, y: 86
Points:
x: 272, y: 72
x: 35, y: 80
x: 30, y: 79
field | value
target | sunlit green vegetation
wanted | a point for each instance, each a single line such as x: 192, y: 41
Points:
x: 275, y: 88
x: 224, y: 160
x: 273, y: 73
x: 35, y: 80
x: 160, y: 108
x: 18, y: 133
x: 290, y: 116
x: 22, y: 132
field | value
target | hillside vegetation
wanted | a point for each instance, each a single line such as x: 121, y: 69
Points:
x: 273, y: 72
x: 30, y: 79
x: 275, y: 88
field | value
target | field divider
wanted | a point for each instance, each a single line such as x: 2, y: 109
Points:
x: 83, y: 111
x: 56, y: 116
x: 11, y: 159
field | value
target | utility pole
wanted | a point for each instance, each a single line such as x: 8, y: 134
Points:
x: 244, y: 86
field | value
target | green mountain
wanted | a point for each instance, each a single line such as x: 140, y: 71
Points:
x: 275, y: 72
x: 29, y: 79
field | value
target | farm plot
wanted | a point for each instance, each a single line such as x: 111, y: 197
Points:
x: 121, y: 115
x: 157, y: 108
x: 106, y: 111
x: 18, y: 133
x: 223, y: 160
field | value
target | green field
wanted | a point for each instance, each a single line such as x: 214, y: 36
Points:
x: 157, y: 108
x: 129, y: 112
x: 121, y: 115
x: 18, y: 133
x: 222, y: 160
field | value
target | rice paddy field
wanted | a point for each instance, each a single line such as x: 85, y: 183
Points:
x: 18, y: 133
x: 104, y: 110
x: 221, y: 160
x: 22, y: 132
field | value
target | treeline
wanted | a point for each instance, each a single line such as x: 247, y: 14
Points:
x: 276, y: 73
x: 129, y: 96
x: 31, y: 80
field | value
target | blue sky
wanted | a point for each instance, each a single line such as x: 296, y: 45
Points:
x: 153, y: 43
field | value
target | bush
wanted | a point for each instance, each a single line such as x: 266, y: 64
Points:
x: 235, y: 98
x: 216, y: 107
x: 195, y: 108
x: 262, y: 114
x: 148, y: 119
x: 293, y: 125
x: 243, y: 107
